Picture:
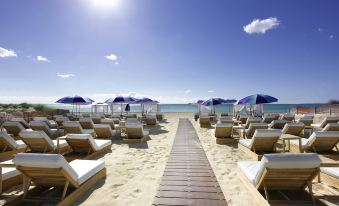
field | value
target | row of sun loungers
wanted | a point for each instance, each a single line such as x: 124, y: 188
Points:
x: 58, y: 154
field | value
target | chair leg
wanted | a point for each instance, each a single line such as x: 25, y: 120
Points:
x: 266, y: 192
x: 26, y: 184
x: 309, y: 185
x: 65, y: 190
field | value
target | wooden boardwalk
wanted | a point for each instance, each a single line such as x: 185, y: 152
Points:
x: 188, y: 177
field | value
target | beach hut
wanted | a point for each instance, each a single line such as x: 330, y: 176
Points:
x: 100, y: 108
x: 121, y: 101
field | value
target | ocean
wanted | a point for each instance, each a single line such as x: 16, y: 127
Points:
x: 227, y: 108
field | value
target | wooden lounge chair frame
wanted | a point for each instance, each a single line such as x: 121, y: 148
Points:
x: 82, y: 149
x: 58, y: 177
x: 76, y: 130
x: 7, y: 151
x: 134, y: 135
x: 224, y: 134
x: 280, y: 180
x: 329, y: 180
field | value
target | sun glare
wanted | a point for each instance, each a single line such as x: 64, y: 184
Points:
x: 106, y: 4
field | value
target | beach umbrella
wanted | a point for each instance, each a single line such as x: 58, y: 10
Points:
x: 200, y: 101
x: 257, y: 99
x: 212, y: 102
x: 121, y: 100
x: 75, y: 100
x: 230, y: 101
x: 144, y: 101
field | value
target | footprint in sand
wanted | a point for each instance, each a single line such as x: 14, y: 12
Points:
x: 116, y: 185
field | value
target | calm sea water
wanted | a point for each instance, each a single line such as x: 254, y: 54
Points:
x: 268, y: 108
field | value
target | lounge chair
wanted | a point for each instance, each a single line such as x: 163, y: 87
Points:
x: 324, y: 122
x: 39, y: 142
x: 225, y: 119
x: 263, y: 141
x: 84, y: 146
x: 288, y: 117
x: 42, y: 126
x: 135, y: 133
x: 21, y: 120
x: 60, y: 120
x: 9, y: 147
x: 205, y: 121
x: 251, y: 120
x: 296, y: 129
x: 96, y: 118
x: 160, y: 116
x: 13, y: 128
x: 331, y: 127
x: 52, y: 171
x: 243, y: 119
x: 268, y: 118
x: 52, y: 124
x: 277, y: 177
x: 307, y: 120
x: 322, y: 142
x: 223, y: 133
x: 150, y: 119
x: 9, y: 177
x: 86, y: 122
x: 75, y: 128
x: 253, y: 127
x: 109, y: 121
x: 104, y: 131
x: 330, y: 176
x: 277, y: 124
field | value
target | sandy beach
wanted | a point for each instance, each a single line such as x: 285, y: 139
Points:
x: 134, y: 171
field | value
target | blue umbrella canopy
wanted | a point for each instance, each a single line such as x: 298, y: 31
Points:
x: 200, y: 101
x: 213, y: 102
x: 230, y: 101
x: 145, y: 100
x: 75, y: 100
x: 258, y: 99
x: 121, y: 100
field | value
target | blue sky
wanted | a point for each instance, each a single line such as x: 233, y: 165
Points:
x: 173, y: 50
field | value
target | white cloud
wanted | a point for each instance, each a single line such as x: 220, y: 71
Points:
x: 261, y: 26
x: 331, y: 37
x: 65, y: 76
x: 210, y: 91
x: 187, y: 91
x: 116, y: 63
x: 7, y: 53
x: 320, y: 30
x: 28, y: 99
x: 112, y: 57
x: 41, y: 59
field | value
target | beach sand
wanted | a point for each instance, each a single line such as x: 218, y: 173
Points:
x: 134, y: 171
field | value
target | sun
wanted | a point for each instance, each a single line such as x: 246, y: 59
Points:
x: 105, y: 4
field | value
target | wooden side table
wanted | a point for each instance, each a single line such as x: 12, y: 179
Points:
x: 288, y: 138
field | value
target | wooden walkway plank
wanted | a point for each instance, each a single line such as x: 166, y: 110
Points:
x: 188, y: 178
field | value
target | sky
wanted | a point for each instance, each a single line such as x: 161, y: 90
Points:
x: 175, y: 51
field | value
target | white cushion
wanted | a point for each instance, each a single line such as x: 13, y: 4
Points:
x: 102, y: 126
x: 37, y: 135
x: 85, y: 169
x: 304, y: 142
x: 96, y: 144
x: 71, y: 124
x: 251, y: 169
x: 107, y: 120
x: 279, y: 161
x: 45, y: 161
x: 13, y: 124
x: 267, y: 133
x: 11, y: 141
x: 9, y: 172
x: 40, y: 119
x: 290, y: 125
x: 100, y: 144
x: 20, y: 144
x: 246, y: 142
x: 88, y: 131
x: 331, y: 171
x: 224, y: 125
x: 62, y: 143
